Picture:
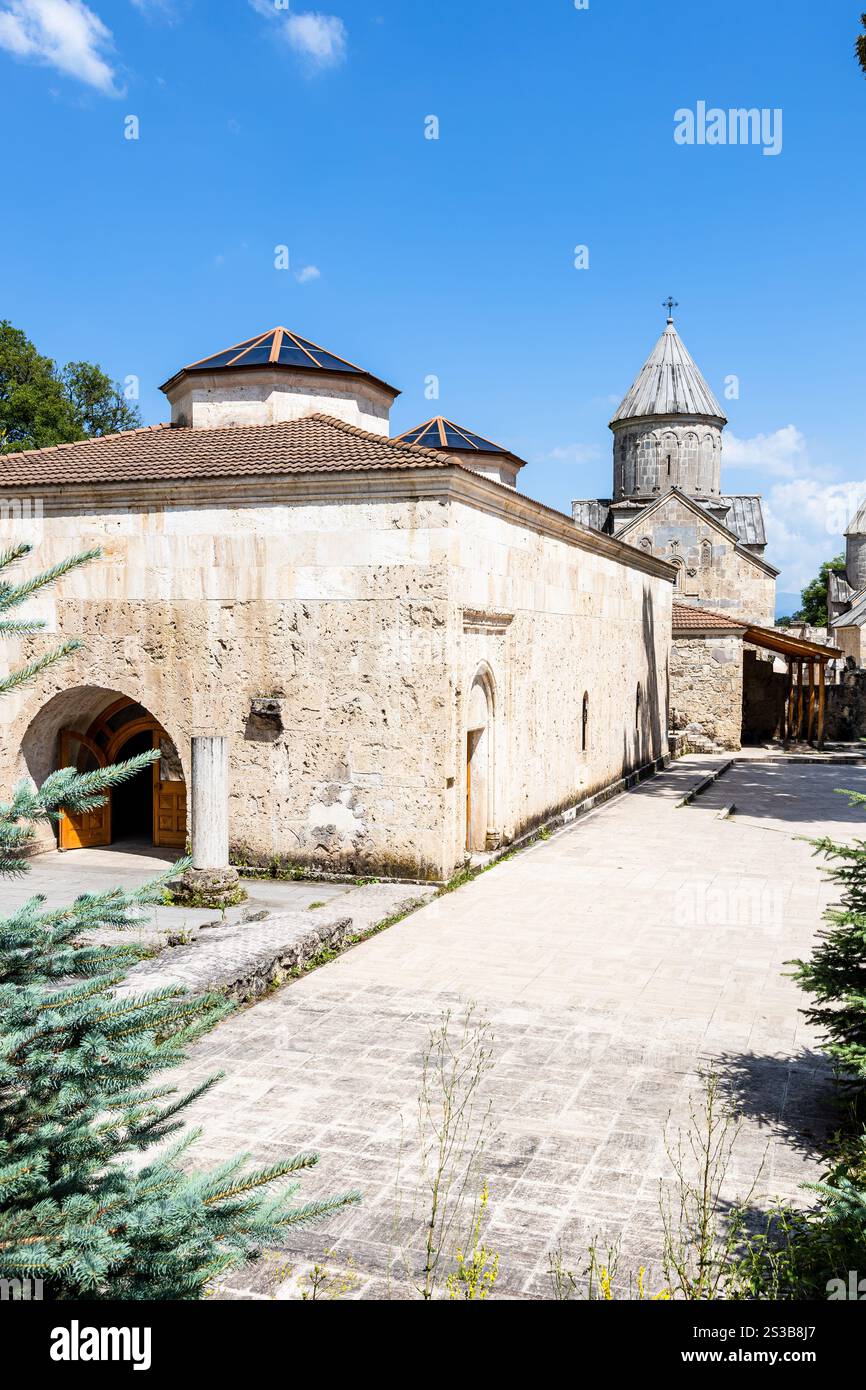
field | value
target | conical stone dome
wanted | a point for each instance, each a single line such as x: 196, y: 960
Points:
x: 669, y: 383
x: 668, y: 430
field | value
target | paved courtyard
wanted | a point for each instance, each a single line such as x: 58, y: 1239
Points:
x: 615, y: 962
x: 61, y: 877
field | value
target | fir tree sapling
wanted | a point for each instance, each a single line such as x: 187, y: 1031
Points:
x: 76, y: 1066
x: 811, y: 1254
x: 836, y: 972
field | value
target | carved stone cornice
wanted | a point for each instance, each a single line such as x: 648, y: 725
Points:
x: 491, y: 621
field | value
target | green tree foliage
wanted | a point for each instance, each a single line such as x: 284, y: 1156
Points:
x: 814, y: 596
x: 97, y: 402
x: 811, y: 1254
x: 836, y: 971
x: 77, y: 1096
x: 41, y: 404
x: 861, y: 45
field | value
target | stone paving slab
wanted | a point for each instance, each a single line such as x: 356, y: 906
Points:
x: 615, y: 962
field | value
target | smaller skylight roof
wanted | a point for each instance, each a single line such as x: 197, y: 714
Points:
x: 440, y: 433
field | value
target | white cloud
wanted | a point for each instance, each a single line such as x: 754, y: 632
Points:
x: 165, y: 10
x: 574, y: 453
x: 320, y: 39
x: 64, y: 34
x: 309, y: 272
x: 806, y: 520
x: 155, y: 7
x: 783, y: 453
x: 806, y: 512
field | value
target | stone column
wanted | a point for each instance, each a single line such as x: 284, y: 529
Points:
x: 210, y: 803
x: 211, y: 882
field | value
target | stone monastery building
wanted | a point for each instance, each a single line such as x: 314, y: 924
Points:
x: 406, y: 658
x: 847, y: 593
x: 668, y: 501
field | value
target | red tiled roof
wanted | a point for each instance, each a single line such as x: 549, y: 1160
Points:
x: 690, y: 616
x: 315, y: 444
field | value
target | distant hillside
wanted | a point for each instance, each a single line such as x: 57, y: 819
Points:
x: 786, y: 604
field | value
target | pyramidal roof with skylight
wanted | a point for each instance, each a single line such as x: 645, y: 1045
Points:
x: 440, y: 433
x: 277, y: 348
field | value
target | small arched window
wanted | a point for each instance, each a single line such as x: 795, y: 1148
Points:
x: 638, y: 707
x: 584, y: 728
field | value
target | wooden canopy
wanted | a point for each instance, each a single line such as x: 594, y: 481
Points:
x: 806, y: 696
x: 776, y: 639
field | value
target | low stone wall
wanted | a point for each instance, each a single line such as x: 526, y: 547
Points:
x: 764, y: 692
x: 244, y: 959
x: 846, y: 708
x: 242, y: 962
x: 707, y: 687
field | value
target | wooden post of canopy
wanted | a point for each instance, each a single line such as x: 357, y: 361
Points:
x: 804, y: 727
x: 788, y: 717
x: 813, y: 693
x: 822, y: 704
x: 800, y: 695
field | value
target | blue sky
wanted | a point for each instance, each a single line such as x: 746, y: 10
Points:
x: 262, y: 126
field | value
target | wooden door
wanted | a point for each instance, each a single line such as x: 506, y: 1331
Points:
x: 88, y: 828
x: 469, y: 792
x: 169, y: 799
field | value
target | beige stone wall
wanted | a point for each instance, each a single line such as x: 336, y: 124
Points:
x: 850, y: 640
x: 855, y: 559
x: 364, y: 609
x: 707, y: 687
x: 711, y: 568
x: 212, y: 400
x: 551, y: 623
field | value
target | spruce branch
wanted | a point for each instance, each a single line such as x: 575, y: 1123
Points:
x: 77, y: 1060
x: 11, y: 595
x: 35, y: 668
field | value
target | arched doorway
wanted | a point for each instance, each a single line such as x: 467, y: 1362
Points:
x: 479, y: 765
x: 151, y: 807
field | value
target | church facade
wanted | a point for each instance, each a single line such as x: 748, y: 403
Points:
x: 409, y: 660
x: 667, y: 490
